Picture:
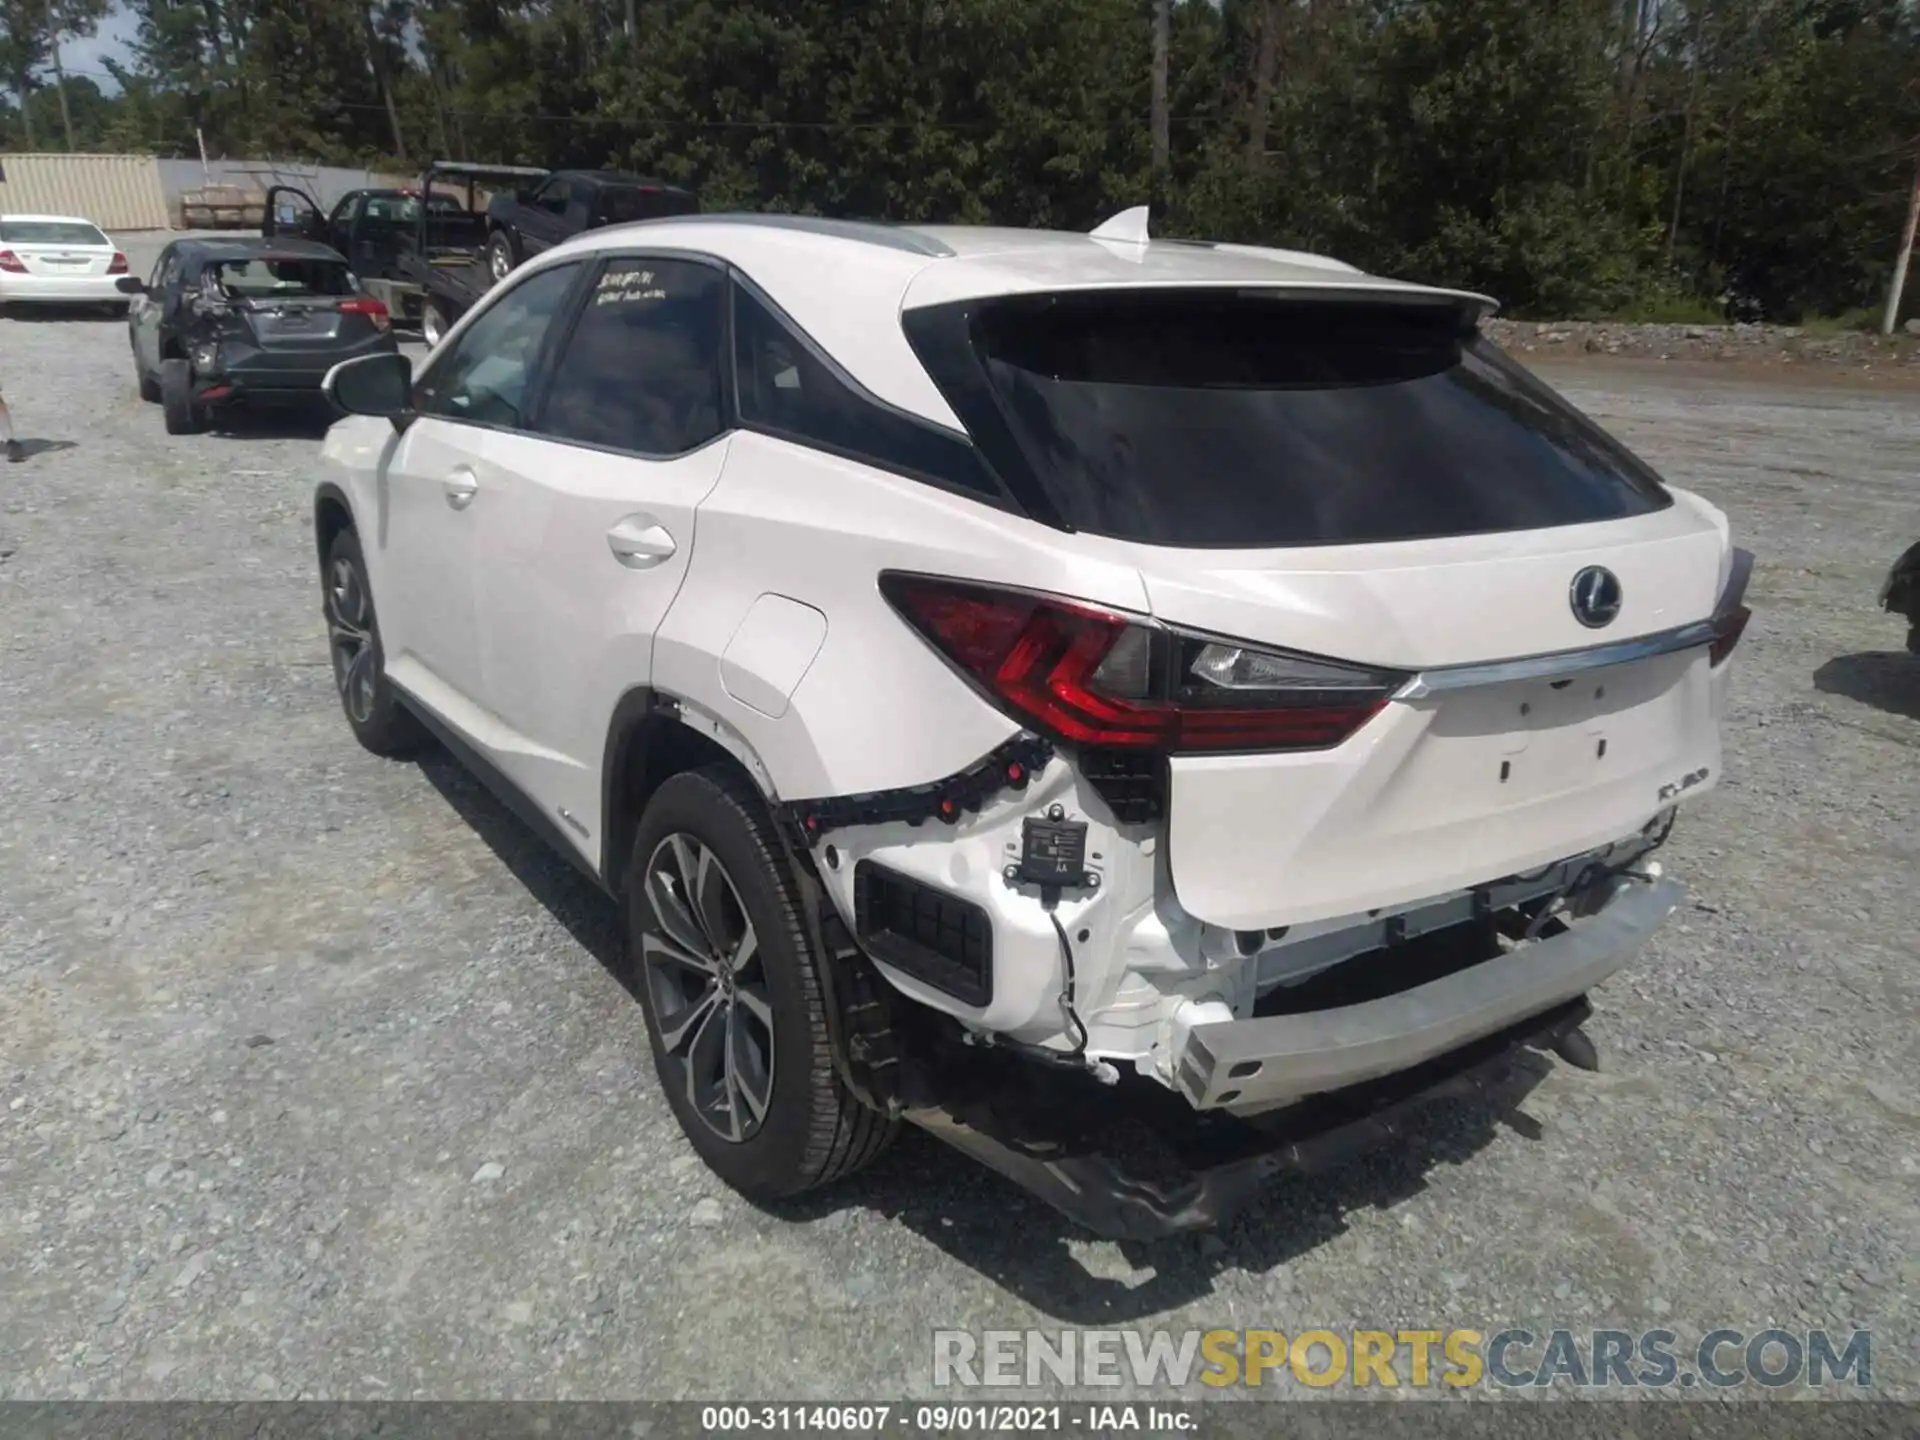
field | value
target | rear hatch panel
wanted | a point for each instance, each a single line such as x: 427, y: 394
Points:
x: 296, y: 325
x: 1463, y: 780
x: 1441, y: 794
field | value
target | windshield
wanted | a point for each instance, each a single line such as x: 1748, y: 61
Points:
x: 267, y: 276
x: 51, y: 232
x: 1253, y: 418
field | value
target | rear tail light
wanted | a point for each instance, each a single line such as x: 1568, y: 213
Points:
x: 117, y: 265
x: 1091, y: 677
x: 366, y: 305
x: 11, y: 263
x: 1728, y: 627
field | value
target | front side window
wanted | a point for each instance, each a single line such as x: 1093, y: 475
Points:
x: 641, y: 370
x: 553, y: 199
x: 1252, y: 418
x: 788, y: 389
x: 486, y: 379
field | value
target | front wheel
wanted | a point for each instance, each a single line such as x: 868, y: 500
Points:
x: 731, y: 991
x: 374, y: 712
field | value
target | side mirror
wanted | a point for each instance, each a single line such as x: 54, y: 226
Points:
x: 372, y: 385
x: 130, y: 285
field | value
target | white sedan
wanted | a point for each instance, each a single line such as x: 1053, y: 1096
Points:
x: 58, y: 260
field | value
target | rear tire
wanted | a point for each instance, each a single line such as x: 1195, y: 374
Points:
x: 149, y: 388
x: 373, y: 710
x: 176, y: 395
x: 733, y: 980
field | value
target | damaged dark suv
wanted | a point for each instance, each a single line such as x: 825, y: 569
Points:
x: 225, y: 322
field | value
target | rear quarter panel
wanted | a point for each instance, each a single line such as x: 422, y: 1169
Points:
x: 876, y: 708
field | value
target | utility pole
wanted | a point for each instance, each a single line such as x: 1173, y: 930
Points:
x: 1906, y: 253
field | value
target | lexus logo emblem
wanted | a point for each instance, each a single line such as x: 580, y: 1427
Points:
x: 1595, y: 596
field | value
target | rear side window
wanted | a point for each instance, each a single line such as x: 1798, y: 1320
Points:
x: 1251, y: 419
x: 620, y: 204
x: 51, y: 232
x: 788, y: 388
x: 641, y: 370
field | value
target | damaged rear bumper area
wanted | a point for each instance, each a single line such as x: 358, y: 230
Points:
x: 1170, y: 1171
x: 246, y: 371
x: 1294, y: 1092
x: 1275, y: 1059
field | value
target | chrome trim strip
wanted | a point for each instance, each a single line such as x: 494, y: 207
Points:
x: 1561, y: 662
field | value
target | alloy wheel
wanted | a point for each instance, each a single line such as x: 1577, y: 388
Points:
x: 350, y: 633
x: 707, y: 981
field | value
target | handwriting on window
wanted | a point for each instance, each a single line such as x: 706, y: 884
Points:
x: 621, y: 287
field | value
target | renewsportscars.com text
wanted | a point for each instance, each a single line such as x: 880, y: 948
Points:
x: 1511, y: 1358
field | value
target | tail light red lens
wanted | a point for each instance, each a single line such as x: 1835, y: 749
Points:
x: 1728, y: 627
x: 117, y: 265
x: 11, y: 263
x: 1091, y: 677
x: 374, y: 310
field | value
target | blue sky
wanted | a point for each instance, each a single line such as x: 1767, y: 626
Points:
x: 84, y: 57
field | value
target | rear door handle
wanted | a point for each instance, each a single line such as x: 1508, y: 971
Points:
x: 460, y: 487
x: 640, y: 541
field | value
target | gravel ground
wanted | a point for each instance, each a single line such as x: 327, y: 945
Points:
x: 313, y: 1080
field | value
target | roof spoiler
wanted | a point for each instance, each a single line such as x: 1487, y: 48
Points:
x: 1129, y: 227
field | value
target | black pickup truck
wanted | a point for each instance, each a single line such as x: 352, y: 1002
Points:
x: 421, y: 251
x: 565, y: 202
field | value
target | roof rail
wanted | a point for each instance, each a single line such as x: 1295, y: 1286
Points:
x: 1129, y: 227
x: 868, y: 232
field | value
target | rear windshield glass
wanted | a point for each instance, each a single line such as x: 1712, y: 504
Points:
x: 1252, y: 419
x: 405, y: 209
x: 622, y: 205
x: 51, y: 232
x: 251, y: 278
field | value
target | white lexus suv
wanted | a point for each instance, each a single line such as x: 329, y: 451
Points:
x: 1020, y: 682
